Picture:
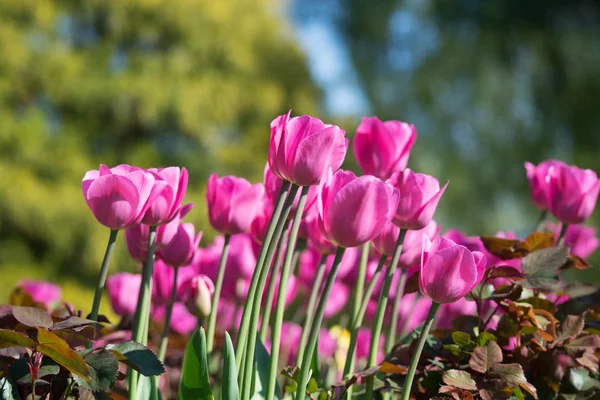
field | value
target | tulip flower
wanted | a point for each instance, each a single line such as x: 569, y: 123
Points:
x: 199, y: 290
x: 385, y: 243
x: 419, y: 197
x: 123, y: 289
x: 382, y: 148
x: 43, y: 292
x: 182, y: 247
x: 571, y: 193
x: 181, y: 320
x: 273, y: 185
x: 120, y: 197
x: 303, y: 148
x: 163, y: 279
x: 536, y: 174
x: 449, y: 271
x: 449, y: 312
x: 352, y: 210
x: 260, y: 224
x: 233, y: 203
x: 581, y: 239
x: 315, y: 238
x: 164, y: 208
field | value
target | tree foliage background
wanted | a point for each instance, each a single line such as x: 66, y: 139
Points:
x: 489, y: 85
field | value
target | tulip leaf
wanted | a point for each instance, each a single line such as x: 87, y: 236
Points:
x: 103, y: 367
x: 12, y: 338
x: 262, y: 358
x: 8, y: 390
x: 138, y: 357
x: 195, y: 383
x: 230, y: 388
x: 459, y: 379
x: 57, y: 349
x: 32, y: 317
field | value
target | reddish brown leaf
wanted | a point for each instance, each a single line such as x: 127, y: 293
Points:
x: 32, y: 317
x: 459, y: 379
x: 583, y: 343
x: 588, y: 360
x: 483, y: 358
x: 536, y: 241
x: 512, y: 374
x: 503, y: 248
x: 12, y: 338
x: 571, y: 327
x: 389, y: 368
x: 505, y: 271
x: 529, y: 388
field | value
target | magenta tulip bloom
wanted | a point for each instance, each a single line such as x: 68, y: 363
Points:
x: 303, y: 148
x: 273, y: 186
x: 260, y: 224
x: 449, y: 271
x: 123, y: 289
x: 162, y: 282
x: 315, y: 237
x: 119, y: 197
x: 181, y: 249
x: 536, y: 174
x: 354, y: 210
x: 182, y: 321
x: 419, y: 197
x: 164, y: 208
x: 43, y: 292
x: 385, y: 243
x: 581, y: 239
x: 449, y: 312
x: 382, y: 148
x: 412, y: 311
x: 233, y: 203
x: 571, y: 193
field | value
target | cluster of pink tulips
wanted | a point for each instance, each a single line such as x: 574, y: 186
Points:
x: 313, y: 234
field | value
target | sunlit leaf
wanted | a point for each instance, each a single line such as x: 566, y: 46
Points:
x: 138, y: 357
x: 459, y: 379
x: 512, y: 374
x: 483, y: 358
x: 12, y: 338
x: 195, y: 383
x: 57, y: 349
x: 229, y: 383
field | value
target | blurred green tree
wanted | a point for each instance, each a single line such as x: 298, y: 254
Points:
x: 144, y: 82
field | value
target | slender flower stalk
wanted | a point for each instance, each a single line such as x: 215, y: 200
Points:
x: 103, y: 273
x: 316, y: 325
x: 240, y: 346
x: 310, y: 307
x: 264, y: 328
x: 561, y: 236
x: 540, y: 222
x: 357, y: 322
x: 391, y: 337
x: 360, y: 280
x: 164, y: 336
x: 417, y: 354
x: 380, y: 313
x: 254, y: 311
x: 142, y: 312
x: 212, y: 319
x: 283, y: 281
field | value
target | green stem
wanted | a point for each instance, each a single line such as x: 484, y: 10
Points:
x: 541, y: 220
x: 283, y: 281
x: 142, y: 311
x: 103, y: 273
x: 563, y: 232
x: 240, y: 344
x: 254, y: 311
x: 380, y: 313
x: 417, y: 354
x: 164, y: 336
x: 393, y: 329
x: 310, y: 308
x: 264, y: 328
x: 357, y: 323
x: 360, y: 280
x: 214, y: 307
x: 316, y: 325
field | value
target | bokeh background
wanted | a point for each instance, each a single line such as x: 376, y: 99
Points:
x: 488, y: 84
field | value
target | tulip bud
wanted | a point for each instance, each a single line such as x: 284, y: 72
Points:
x: 303, y: 148
x: 449, y: 271
x: 181, y: 249
x: 537, y: 181
x: 164, y: 208
x: 419, y: 197
x: 199, y: 298
x: 354, y: 210
x: 233, y: 203
x: 382, y: 148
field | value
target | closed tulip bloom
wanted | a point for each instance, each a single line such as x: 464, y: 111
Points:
x: 119, y: 197
x: 123, y: 289
x: 382, y: 148
x: 536, y: 175
x: 353, y: 211
x: 419, y: 197
x: 581, y: 239
x: 233, y: 203
x: 182, y: 247
x: 43, y: 292
x: 199, y: 290
x: 164, y: 208
x: 303, y: 148
x: 449, y: 271
x: 571, y: 193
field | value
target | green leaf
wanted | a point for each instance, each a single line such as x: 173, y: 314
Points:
x: 312, y: 386
x: 459, y: 379
x: 32, y: 316
x: 195, y: 383
x: 103, y: 367
x: 138, y: 357
x: 512, y: 374
x: 262, y: 357
x: 144, y: 388
x: 229, y: 383
x: 315, y: 365
x: 8, y: 391
x: 484, y: 338
x: 12, y: 338
x: 57, y: 349
x: 463, y: 340
x: 483, y: 358
x: 581, y: 380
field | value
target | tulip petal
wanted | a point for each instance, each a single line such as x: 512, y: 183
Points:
x: 113, y: 200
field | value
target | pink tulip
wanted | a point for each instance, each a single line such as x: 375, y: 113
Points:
x: 536, y: 174
x: 315, y: 237
x: 198, y: 290
x: 162, y: 282
x: 412, y: 312
x: 363, y: 344
x: 137, y: 236
x: 382, y: 148
x: 385, y: 243
x: 292, y: 289
x: 472, y: 243
x: 273, y: 185
x: 302, y: 149
x: 327, y: 344
x: 449, y: 271
x: 580, y: 238
x: 229, y: 315
x: 449, y: 312
x: 123, y: 289
x: 43, y: 292
x: 309, y: 263
x: 260, y: 224
x: 182, y: 247
x: 119, y: 197
x: 571, y: 193
x: 354, y: 210
x: 233, y: 203
x: 340, y: 296
x: 182, y: 321
x: 164, y: 208
x: 419, y: 197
